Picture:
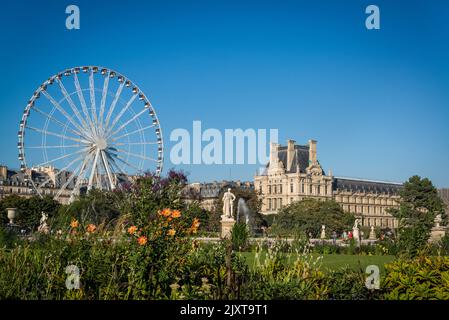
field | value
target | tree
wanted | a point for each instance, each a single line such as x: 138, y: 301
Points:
x: 307, y: 216
x: 97, y: 206
x: 418, y: 206
x: 29, y: 210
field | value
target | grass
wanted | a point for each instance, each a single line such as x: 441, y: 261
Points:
x: 335, y: 261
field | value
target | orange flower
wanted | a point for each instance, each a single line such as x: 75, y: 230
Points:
x: 165, y: 212
x: 132, y: 230
x: 176, y: 213
x: 171, y: 232
x: 91, y: 228
x: 142, y: 240
x: 74, y: 224
x: 195, y: 225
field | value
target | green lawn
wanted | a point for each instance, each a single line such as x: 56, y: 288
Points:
x: 336, y: 261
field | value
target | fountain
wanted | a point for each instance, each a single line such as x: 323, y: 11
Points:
x: 243, y: 209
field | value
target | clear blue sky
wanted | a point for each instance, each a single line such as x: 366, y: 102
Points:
x: 376, y: 101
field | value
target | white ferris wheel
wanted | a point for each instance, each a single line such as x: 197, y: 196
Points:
x: 88, y: 127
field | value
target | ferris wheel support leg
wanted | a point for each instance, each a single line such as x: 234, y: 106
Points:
x: 94, y: 166
x: 108, y: 170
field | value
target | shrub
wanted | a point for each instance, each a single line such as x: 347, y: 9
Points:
x: 347, y: 284
x: 275, y: 278
x: 417, y: 279
x: 7, y: 237
x: 239, y: 236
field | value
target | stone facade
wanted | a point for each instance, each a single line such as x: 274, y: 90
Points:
x: 294, y: 173
x: 23, y: 183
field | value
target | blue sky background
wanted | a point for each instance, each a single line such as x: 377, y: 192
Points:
x: 376, y: 101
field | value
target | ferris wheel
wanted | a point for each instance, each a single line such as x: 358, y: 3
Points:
x: 88, y: 127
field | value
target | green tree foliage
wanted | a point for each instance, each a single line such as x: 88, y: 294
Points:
x: 418, y: 207
x: 29, y: 210
x: 95, y: 207
x: 307, y: 216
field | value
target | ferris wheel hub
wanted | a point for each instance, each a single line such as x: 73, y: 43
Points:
x: 101, y: 144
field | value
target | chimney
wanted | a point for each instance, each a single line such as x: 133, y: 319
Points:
x: 312, y: 152
x: 3, y: 172
x: 274, y: 153
x: 290, y: 153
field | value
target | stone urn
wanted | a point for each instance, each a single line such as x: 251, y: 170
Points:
x: 12, y: 214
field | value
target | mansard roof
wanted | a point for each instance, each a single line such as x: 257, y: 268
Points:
x: 359, y: 185
x: 300, y: 158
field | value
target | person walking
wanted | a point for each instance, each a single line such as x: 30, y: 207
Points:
x: 334, y: 238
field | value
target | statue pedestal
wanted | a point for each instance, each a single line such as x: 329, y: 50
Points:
x: 226, y: 227
x: 437, y: 233
x: 356, y: 234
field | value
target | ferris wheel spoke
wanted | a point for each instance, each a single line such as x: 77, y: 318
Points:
x: 83, y: 102
x: 104, y: 94
x: 73, y: 107
x: 54, y: 147
x: 60, y: 109
x: 62, y: 170
x: 78, y: 172
x: 64, y: 156
x: 108, y: 169
x: 78, y: 181
x: 57, y: 121
x: 135, y: 143
x: 122, y: 112
x: 113, y: 104
x: 112, y: 161
x: 57, y: 135
x: 133, y: 132
x: 92, y: 97
x: 125, y: 162
x: 137, y: 155
x: 127, y: 123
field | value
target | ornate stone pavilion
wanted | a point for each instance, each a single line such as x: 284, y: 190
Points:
x: 294, y: 173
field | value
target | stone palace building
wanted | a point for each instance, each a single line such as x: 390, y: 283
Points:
x: 294, y: 173
x: 24, y: 184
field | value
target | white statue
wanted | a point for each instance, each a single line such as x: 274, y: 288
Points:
x: 372, y: 234
x: 323, y: 232
x: 228, y: 204
x: 43, y: 227
x: 355, y: 230
x: 356, y: 224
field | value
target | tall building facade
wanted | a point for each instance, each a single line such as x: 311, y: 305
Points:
x: 294, y: 173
